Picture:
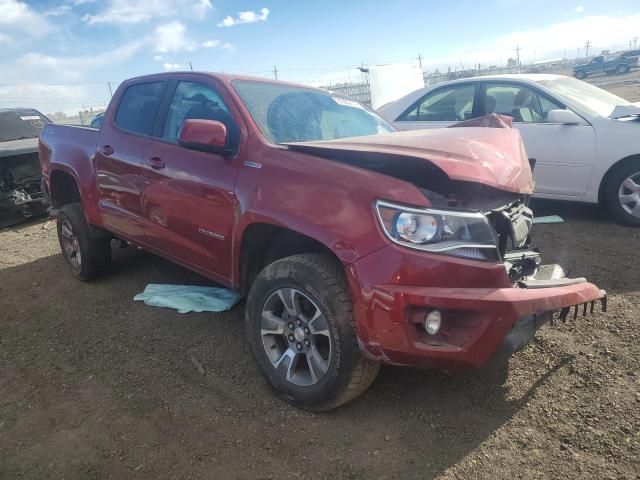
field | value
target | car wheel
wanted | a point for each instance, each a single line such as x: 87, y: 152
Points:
x: 623, y: 69
x: 622, y: 194
x: 87, y: 257
x: 299, y: 323
x: 580, y: 75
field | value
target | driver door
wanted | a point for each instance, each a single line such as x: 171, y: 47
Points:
x: 564, y: 154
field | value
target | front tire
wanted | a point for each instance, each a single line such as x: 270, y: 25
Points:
x: 299, y: 323
x: 622, y: 194
x: 580, y: 75
x: 88, y: 257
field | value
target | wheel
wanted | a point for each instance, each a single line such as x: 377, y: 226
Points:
x: 580, y: 75
x: 622, y: 69
x: 622, y: 194
x: 299, y: 323
x: 87, y: 257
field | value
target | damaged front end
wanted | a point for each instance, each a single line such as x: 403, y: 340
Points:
x: 20, y: 188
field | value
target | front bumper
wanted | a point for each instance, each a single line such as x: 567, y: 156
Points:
x: 480, y: 321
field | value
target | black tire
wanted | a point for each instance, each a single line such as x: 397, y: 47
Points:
x: 612, y: 190
x: 580, y: 75
x: 321, y: 280
x: 95, y: 254
x: 622, y: 69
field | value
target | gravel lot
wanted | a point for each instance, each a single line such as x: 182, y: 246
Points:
x: 95, y: 385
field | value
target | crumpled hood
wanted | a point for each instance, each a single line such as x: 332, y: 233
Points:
x: 492, y: 156
x: 18, y: 147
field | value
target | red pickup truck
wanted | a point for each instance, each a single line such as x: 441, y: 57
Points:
x: 354, y: 244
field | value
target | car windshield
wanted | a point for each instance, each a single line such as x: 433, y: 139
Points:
x: 592, y: 99
x: 18, y: 124
x: 287, y: 113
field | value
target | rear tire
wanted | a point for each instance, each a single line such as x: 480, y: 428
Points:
x: 299, y: 323
x: 622, y: 69
x: 622, y: 194
x: 88, y: 257
x: 580, y: 75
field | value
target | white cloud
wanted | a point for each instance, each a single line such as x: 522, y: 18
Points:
x: 17, y: 16
x: 57, y: 11
x: 158, y: 58
x: 171, y: 66
x: 211, y: 44
x: 81, y: 2
x: 603, y: 31
x: 201, y: 8
x: 245, y: 17
x: 579, y: 9
x: 171, y: 37
x: 136, y: 11
x: 37, y: 65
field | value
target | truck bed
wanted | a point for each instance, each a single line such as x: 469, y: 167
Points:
x: 71, y: 145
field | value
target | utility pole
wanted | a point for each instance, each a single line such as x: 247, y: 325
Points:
x: 518, y: 56
x: 587, y: 45
x: 578, y: 53
x: 110, y: 91
x: 420, y: 61
x: 275, y: 72
x: 635, y: 42
x: 190, y: 66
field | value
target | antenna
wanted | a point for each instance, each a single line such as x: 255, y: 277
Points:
x: 190, y: 66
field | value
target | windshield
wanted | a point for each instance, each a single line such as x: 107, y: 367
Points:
x: 592, y: 99
x: 17, y: 124
x: 286, y: 113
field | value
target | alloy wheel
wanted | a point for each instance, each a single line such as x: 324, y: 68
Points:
x: 295, y: 336
x: 70, y: 245
x: 629, y: 194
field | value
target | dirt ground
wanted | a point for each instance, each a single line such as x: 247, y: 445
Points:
x: 96, y: 386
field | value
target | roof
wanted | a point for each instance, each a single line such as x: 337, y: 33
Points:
x: 224, y: 77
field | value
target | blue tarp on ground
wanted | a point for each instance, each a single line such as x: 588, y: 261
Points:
x: 188, y: 298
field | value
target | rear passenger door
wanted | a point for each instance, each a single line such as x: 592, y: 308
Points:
x: 441, y: 107
x: 122, y: 140
x: 189, y: 195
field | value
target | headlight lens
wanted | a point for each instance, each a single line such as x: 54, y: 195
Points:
x: 462, y: 234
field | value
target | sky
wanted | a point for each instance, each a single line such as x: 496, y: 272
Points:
x: 58, y: 55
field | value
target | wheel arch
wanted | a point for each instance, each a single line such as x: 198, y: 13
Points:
x: 63, y: 188
x: 263, y: 243
x: 605, y: 178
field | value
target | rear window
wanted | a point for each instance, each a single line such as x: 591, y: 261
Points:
x: 18, y: 124
x: 137, y: 110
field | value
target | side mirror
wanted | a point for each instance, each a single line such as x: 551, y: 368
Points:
x: 566, y: 117
x: 203, y: 135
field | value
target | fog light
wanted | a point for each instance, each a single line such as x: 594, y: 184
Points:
x: 432, y: 322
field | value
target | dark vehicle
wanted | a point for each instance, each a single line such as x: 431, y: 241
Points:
x: 602, y: 64
x: 20, y: 179
x: 97, y: 121
x: 354, y: 244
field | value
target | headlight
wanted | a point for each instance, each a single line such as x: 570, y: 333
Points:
x: 451, y: 232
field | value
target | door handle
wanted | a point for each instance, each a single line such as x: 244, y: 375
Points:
x: 106, y: 150
x: 155, y: 162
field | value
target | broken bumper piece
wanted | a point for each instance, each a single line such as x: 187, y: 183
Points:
x: 478, y: 324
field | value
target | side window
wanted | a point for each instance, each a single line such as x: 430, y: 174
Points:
x: 193, y: 100
x: 138, y: 106
x: 450, y: 104
x: 519, y: 102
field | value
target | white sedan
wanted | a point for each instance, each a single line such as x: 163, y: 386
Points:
x: 586, y: 141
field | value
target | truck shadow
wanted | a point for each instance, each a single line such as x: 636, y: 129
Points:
x: 411, y: 423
